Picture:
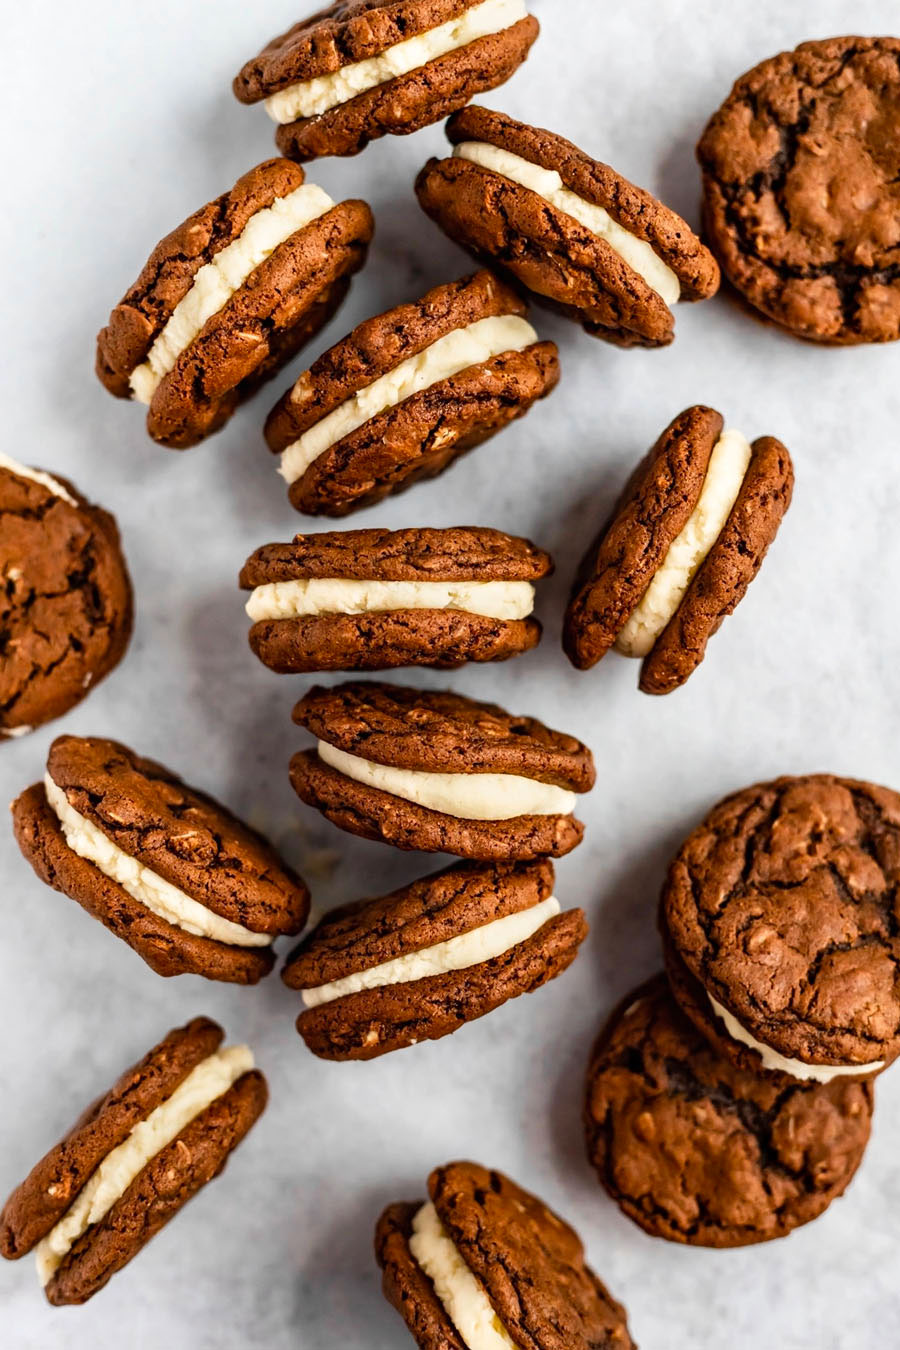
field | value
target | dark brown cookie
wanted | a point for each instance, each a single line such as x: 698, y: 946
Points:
x: 224, y: 1109
x: 66, y: 601
x: 294, y: 288
x: 419, y: 436
x: 697, y: 1150
x: 232, y: 893
x: 352, y: 31
x: 555, y: 255
x: 801, y: 176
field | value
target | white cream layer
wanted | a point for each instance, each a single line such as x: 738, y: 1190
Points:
x: 297, y: 599
x: 771, y: 1059
x: 724, y: 476
x: 548, y: 184
x: 458, y: 953
x: 209, y: 1080
x: 456, y: 351
x: 461, y: 1293
x: 160, y: 896
x: 218, y: 280
x: 468, y: 796
x: 22, y: 471
x: 313, y: 97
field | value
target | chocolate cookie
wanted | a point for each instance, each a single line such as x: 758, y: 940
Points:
x: 65, y: 604
x: 432, y: 770
x: 228, y: 297
x: 175, y: 875
x: 569, y: 228
x: 801, y: 178
x: 484, y: 1262
x: 406, y: 393
x: 684, y: 542
x: 697, y: 1150
x: 131, y: 1162
x: 781, y: 907
x: 419, y: 963
x: 361, y: 69
x: 376, y: 599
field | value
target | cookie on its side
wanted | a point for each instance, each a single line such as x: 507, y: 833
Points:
x: 567, y: 227
x: 171, y: 872
x: 406, y: 393
x: 360, y: 69
x: 65, y: 603
x: 684, y: 543
x: 228, y: 297
x: 132, y: 1160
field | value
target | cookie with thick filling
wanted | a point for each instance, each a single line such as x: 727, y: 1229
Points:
x: 683, y: 544
x: 418, y: 964
x: 228, y: 297
x: 801, y: 182
x: 65, y: 597
x: 406, y: 393
x: 132, y: 1160
x: 484, y: 1265
x: 696, y: 1149
x: 173, y: 873
x: 375, y: 599
x: 433, y: 770
x: 566, y: 226
x: 361, y: 69
x: 779, y: 916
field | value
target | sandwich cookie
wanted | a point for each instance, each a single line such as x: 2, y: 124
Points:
x: 406, y: 393
x: 65, y: 597
x: 432, y: 770
x: 695, y: 1149
x: 779, y: 918
x: 175, y: 875
x: 484, y: 1265
x: 684, y: 542
x: 418, y: 964
x: 131, y: 1162
x: 567, y: 227
x: 801, y: 183
x: 228, y: 297
x: 375, y: 599
x: 361, y: 69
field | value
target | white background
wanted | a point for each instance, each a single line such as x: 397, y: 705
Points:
x: 118, y: 121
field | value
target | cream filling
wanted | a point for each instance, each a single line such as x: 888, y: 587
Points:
x: 458, y: 953
x: 311, y: 98
x: 548, y: 184
x: 295, y: 599
x: 218, y: 280
x: 210, y: 1079
x: 464, y: 347
x: 160, y: 896
x: 21, y: 471
x: 462, y: 1295
x: 797, y: 1068
x: 726, y: 472
x: 467, y: 796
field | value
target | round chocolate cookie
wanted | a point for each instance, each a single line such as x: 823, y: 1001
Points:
x: 228, y: 297
x: 432, y: 770
x: 567, y: 227
x: 419, y: 963
x: 696, y: 1150
x: 65, y: 603
x: 684, y: 542
x: 801, y: 176
x: 175, y: 875
x: 132, y: 1160
x: 360, y: 69
x: 376, y: 599
x: 779, y: 915
x: 408, y: 392
x: 484, y: 1257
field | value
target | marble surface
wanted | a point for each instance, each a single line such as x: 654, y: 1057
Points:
x: 118, y: 121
